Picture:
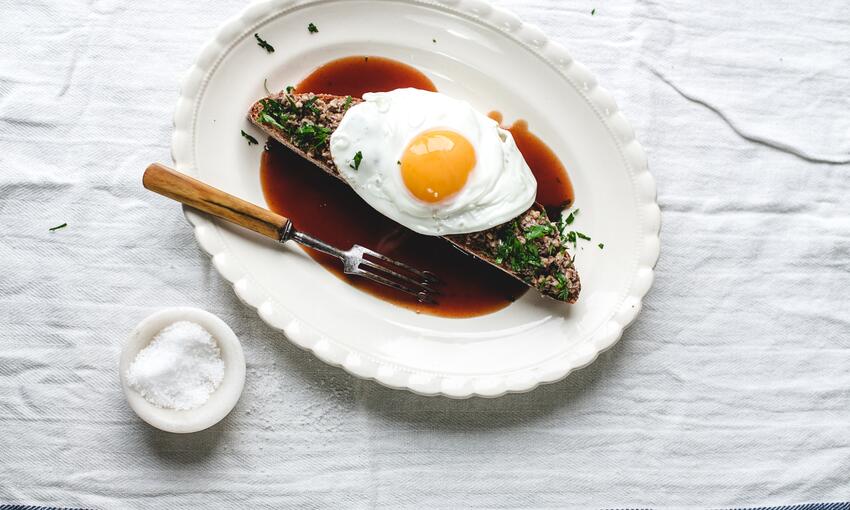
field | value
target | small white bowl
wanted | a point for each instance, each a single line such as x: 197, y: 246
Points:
x: 221, y: 401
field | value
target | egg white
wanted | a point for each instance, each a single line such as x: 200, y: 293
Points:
x: 500, y: 187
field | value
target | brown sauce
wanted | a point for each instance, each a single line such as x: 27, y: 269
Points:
x: 320, y: 205
x: 354, y: 76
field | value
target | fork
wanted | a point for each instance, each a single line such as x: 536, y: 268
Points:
x: 377, y: 267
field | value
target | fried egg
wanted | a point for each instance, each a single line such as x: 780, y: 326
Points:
x: 432, y: 163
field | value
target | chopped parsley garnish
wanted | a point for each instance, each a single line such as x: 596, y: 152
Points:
x: 433, y: 40
x: 291, y: 100
x: 312, y: 28
x: 517, y: 255
x: 593, y: 12
x: 538, y: 231
x: 308, y: 104
x: 565, y: 222
x: 563, y: 288
x: 276, y: 113
x: 357, y: 159
x: 601, y: 246
x: 310, y: 136
x: 347, y: 103
x: 571, y: 236
x: 273, y: 114
x: 57, y: 227
x: 251, y: 139
x: 263, y: 44
x: 289, y: 89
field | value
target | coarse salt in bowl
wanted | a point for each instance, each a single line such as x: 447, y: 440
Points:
x: 221, y: 400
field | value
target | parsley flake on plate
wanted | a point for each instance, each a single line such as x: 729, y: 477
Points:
x: 251, y: 139
x: 263, y: 44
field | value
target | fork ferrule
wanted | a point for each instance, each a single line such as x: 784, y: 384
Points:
x: 285, y: 233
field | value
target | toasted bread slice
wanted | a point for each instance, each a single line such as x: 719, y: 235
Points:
x: 529, y: 248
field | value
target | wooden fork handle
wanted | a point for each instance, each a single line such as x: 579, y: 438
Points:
x: 194, y: 193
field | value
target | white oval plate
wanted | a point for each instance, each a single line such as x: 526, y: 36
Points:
x: 490, y: 58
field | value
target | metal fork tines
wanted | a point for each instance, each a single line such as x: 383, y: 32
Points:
x: 378, y: 268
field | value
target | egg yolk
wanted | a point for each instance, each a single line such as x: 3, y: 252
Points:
x: 436, y: 164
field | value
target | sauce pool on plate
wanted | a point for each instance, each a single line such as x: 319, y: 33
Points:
x: 354, y: 76
x: 320, y: 205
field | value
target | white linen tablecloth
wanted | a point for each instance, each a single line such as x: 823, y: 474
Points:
x: 732, y: 388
